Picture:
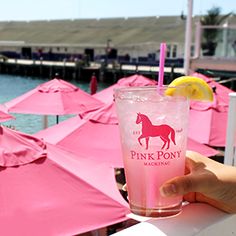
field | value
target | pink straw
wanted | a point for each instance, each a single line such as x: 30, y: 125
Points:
x: 161, y: 64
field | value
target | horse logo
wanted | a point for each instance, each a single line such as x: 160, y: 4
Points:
x: 150, y: 130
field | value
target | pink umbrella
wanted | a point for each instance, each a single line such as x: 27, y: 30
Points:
x: 208, y: 120
x: 98, y: 137
x: 201, y: 148
x: 4, y: 115
x: 55, y: 97
x: 46, y: 190
x: 106, y: 95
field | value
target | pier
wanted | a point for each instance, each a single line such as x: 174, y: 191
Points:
x: 110, y: 72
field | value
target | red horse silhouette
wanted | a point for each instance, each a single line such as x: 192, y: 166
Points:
x: 150, y: 130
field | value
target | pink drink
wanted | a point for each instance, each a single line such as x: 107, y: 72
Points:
x: 153, y: 130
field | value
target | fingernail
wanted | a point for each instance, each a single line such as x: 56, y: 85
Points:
x: 168, y: 190
x: 124, y: 188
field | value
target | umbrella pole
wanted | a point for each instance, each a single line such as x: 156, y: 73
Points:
x: 45, y: 121
x: 57, y: 119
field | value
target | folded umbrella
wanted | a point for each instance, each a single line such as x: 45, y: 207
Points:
x: 208, y: 120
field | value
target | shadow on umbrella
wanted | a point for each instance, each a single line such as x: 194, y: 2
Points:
x: 47, y: 186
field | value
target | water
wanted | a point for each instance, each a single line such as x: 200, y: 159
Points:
x: 14, y: 86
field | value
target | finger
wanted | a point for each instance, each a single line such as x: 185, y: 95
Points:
x: 179, y: 186
x: 190, y: 197
x: 124, y: 187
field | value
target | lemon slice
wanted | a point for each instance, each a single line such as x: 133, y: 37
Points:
x: 192, y: 87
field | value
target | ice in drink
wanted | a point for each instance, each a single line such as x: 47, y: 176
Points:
x: 153, y: 130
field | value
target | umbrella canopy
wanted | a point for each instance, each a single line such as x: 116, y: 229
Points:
x: 55, y: 97
x: 4, y: 115
x: 106, y: 95
x: 201, y: 148
x: 46, y: 190
x: 208, y: 120
x: 98, y: 137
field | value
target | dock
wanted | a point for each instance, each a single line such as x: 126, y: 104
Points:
x: 75, y: 70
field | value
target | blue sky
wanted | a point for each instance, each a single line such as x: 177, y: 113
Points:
x: 27, y: 10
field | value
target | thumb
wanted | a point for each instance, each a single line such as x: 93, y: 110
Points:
x: 179, y: 186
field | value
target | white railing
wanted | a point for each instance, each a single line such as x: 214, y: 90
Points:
x: 223, y: 45
x: 230, y: 154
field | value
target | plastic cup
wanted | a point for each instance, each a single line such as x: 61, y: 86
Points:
x: 153, y: 131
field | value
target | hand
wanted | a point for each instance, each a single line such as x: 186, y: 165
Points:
x: 205, y: 181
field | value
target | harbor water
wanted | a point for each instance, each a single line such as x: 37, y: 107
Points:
x: 14, y: 86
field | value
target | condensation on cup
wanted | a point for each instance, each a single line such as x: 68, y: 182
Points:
x: 153, y: 131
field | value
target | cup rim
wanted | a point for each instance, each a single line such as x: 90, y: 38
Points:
x: 151, y: 87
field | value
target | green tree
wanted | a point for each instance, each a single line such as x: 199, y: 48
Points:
x: 213, y: 18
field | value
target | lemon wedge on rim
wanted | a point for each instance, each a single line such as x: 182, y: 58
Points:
x: 192, y: 87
